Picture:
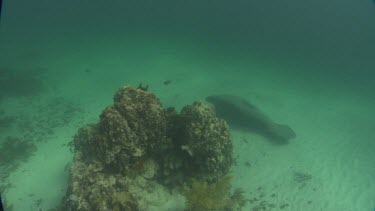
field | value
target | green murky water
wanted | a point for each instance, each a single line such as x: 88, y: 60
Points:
x: 308, y: 65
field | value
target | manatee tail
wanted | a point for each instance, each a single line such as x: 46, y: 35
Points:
x: 280, y: 132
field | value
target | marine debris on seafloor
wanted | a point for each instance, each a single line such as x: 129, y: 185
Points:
x: 139, y: 156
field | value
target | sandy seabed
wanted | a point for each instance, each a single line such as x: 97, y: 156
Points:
x: 328, y: 167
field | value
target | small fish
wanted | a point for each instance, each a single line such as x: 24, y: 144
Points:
x: 167, y: 82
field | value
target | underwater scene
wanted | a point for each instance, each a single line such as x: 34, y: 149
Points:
x: 144, y: 105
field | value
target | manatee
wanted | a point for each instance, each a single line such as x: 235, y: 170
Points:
x: 240, y: 114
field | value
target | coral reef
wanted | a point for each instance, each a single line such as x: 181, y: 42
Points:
x: 128, y: 131
x: 207, y: 141
x: 139, y: 155
x: 123, y: 201
x: 202, y: 145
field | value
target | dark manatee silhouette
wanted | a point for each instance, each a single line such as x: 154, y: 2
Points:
x: 240, y: 114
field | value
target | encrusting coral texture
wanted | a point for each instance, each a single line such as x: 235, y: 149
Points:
x: 140, y: 155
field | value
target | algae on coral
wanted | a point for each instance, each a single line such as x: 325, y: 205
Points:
x: 124, y: 201
x: 217, y: 196
x: 204, y: 196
